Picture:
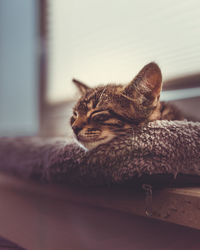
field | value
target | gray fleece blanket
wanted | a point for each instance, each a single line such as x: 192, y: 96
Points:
x: 162, y: 152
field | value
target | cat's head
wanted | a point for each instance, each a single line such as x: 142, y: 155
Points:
x: 105, y: 112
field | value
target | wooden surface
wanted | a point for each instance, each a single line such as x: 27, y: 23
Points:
x: 41, y: 217
x: 7, y: 245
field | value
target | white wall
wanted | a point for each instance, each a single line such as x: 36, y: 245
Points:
x: 18, y: 68
x: 104, y: 41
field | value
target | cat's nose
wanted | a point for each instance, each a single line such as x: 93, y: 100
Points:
x: 76, y: 129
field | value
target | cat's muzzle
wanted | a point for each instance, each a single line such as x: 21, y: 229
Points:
x: 88, y: 135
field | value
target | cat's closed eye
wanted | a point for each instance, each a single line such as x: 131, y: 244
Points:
x: 75, y: 114
x: 100, y: 117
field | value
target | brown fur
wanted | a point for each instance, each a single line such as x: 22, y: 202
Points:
x: 108, y: 111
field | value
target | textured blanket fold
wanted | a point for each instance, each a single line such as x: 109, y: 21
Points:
x: 161, y: 148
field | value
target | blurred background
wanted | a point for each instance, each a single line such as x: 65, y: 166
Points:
x: 45, y: 43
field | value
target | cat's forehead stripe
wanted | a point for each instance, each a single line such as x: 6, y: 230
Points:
x: 90, y: 104
x: 86, y: 105
x: 92, y: 99
x: 89, y: 112
x: 82, y: 106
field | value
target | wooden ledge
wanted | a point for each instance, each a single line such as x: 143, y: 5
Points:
x: 26, y: 203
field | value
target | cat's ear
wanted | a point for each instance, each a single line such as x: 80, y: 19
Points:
x: 147, y: 82
x: 83, y: 88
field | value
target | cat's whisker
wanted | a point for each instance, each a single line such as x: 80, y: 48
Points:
x: 102, y: 93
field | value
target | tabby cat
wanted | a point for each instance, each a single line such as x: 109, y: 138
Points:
x: 105, y: 112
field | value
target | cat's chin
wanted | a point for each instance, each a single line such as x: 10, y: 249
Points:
x: 93, y: 144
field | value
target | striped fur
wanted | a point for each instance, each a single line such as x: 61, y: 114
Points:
x: 105, y: 112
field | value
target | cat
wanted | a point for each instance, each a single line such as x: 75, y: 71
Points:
x: 105, y: 112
